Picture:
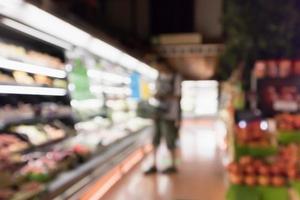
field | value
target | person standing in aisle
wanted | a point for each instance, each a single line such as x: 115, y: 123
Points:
x: 168, y: 117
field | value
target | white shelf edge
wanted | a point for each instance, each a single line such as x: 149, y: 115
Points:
x: 32, y: 90
x: 31, y: 68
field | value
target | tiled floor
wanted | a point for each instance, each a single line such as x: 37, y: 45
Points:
x: 200, y: 174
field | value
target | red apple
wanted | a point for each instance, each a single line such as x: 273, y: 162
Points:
x: 276, y: 170
x: 264, y: 180
x: 264, y: 170
x: 249, y: 169
x: 245, y: 160
x: 233, y: 167
x: 236, y: 179
x: 278, y: 181
x: 292, y: 173
x: 250, y: 180
x: 257, y: 164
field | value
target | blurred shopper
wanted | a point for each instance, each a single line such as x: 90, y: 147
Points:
x: 168, y: 117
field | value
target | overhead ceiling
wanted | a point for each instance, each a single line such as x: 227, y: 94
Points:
x: 193, y: 61
x: 133, y: 23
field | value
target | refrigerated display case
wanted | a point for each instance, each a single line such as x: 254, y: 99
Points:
x: 67, y: 113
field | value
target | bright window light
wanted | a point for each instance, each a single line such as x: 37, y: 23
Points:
x: 37, y: 34
x: 101, y: 75
x: 30, y: 68
x: 30, y: 90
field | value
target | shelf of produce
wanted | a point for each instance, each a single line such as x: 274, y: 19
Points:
x: 27, y: 119
x: 32, y: 90
x: 11, y: 65
x: 71, y: 182
x: 287, y: 137
x: 50, y: 143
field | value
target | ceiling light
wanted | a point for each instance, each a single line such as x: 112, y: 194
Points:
x: 47, y: 23
x: 104, y: 50
x: 35, y: 33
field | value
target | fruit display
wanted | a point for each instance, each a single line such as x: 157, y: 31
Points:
x: 277, y: 172
x: 280, y: 98
x: 276, y: 68
x: 277, y: 86
x: 24, y: 78
x: 11, y: 143
x: 40, y: 134
x: 252, y: 135
x: 20, y: 53
x: 287, y: 122
x: 35, y: 135
x: 7, y: 79
x: 41, y: 166
x: 9, y: 112
x: 41, y: 141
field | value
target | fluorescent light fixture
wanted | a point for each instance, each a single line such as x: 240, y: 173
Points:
x: 37, y: 34
x: 104, y: 50
x: 45, y: 22
x: 147, y: 71
x: 30, y: 68
x: 128, y: 62
x: 101, y: 75
x: 31, y: 90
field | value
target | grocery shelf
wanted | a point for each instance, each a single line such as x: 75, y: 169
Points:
x: 9, y: 64
x: 44, y: 145
x: 100, y: 75
x: 32, y: 90
x: 71, y: 182
x: 31, y: 119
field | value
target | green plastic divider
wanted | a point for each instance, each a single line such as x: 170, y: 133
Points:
x: 296, y: 186
x: 274, y: 193
x: 258, y: 152
x: 286, y: 137
x: 240, y: 192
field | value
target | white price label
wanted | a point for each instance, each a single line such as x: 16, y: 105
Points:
x: 288, y: 106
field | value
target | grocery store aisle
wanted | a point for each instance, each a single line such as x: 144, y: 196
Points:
x: 200, y: 174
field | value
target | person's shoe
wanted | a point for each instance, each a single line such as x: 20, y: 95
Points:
x: 151, y: 170
x: 169, y: 170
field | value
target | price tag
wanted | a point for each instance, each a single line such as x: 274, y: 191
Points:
x: 288, y: 106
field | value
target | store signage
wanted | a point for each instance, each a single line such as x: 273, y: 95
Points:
x: 135, y: 85
x: 190, y: 49
x: 287, y: 106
